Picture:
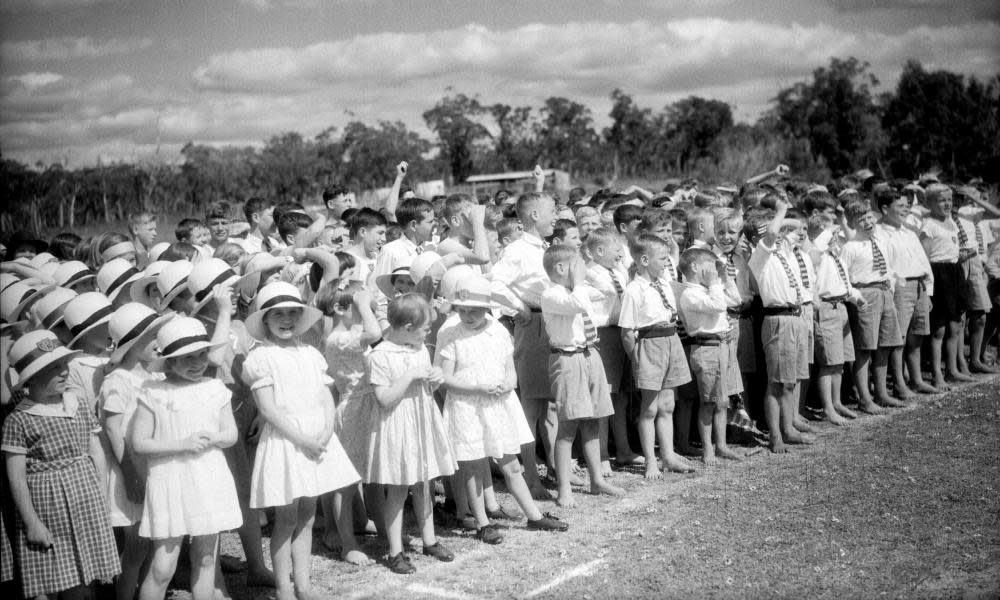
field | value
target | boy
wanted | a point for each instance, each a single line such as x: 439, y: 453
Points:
x: 259, y: 214
x: 701, y: 228
x: 608, y: 276
x: 508, y: 230
x: 218, y: 216
x: 367, y: 229
x: 338, y: 199
x: 796, y: 239
x: 875, y: 324
x: 142, y: 231
x: 565, y: 233
x: 659, y: 222
x: 728, y: 225
x: 416, y: 219
x: 703, y: 303
x: 626, y: 218
x: 579, y: 385
x: 914, y: 288
x: 977, y: 241
x: 466, y: 235
x: 782, y: 329
x: 648, y: 329
x: 196, y: 233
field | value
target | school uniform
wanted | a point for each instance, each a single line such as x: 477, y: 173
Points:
x: 831, y: 326
x: 973, y: 238
x: 741, y: 314
x: 876, y: 325
x: 914, y: 278
x: 940, y: 240
x: 783, y: 333
x: 649, y: 309
x: 610, y: 283
x: 807, y: 275
x: 708, y: 328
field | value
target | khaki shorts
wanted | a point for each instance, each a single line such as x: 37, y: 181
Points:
x: 913, y: 307
x: 876, y: 326
x: 659, y: 363
x: 834, y: 343
x: 978, y: 295
x: 579, y: 386
x: 785, y: 348
x: 709, y: 369
x: 609, y: 346
x: 531, y: 359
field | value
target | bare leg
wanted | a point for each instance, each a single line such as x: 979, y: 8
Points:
x: 912, y: 349
x: 952, y: 350
x: 963, y: 366
x: 937, y: 358
x: 665, y: 433
x: 706, y: 414
x: 592, y: 452
x: 393, y: 517
x: 789, y: 407
x: 423, y: 507
x: 134, y: 553
x: 799, y: 421
x: 772, y: 412
x: 647, y: 432
x: 880, y: 369
x: 619, y: 427
x: 901, y: 390
x: 720, y: 418
x: 468, y: 472
x: 564, y: 462
x: 285, y: 520
x: 605, y: 455
x: 302, y: 549
x: 162, y: 565
x: 825, y: 389
x: 862, y: 363
x: 513, y: 474
x: 486, y: 477
x: 534, y: 412
x: 204, y: 551
x: 350, y: 551
x: 683, y: 413
x: 977, y: 328
x: 835, y: 390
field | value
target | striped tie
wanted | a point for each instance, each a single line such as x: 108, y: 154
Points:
x: 803, y: 271
x: 778, y: 251
x: 840, y: 271
x: 663, y: 296
x: 589, y: 330
x: 731, y: 265
x: 979, y: 241
x: 963, y: 237
x: 671, y: 269
x: 614, y: 281
x: 878, y: 260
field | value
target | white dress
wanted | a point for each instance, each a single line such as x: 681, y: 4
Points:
x: 120, y: 395
x: 352, y: 421
x: 281, y: 471
x: 408, y: 443
x: 188, y: 494
x: 481, y: 425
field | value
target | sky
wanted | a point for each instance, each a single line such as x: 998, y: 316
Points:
x: 134, y: 80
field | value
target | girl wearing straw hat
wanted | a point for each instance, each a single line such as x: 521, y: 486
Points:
x: 180, y: 427
x: 133, y: 330
x: 298, y: 456
x: 86, y: 317
x: 50, y: 445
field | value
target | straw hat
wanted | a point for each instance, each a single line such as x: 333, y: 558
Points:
x: 158, y: 248
x: 140, y: 288
x: 118, y: 250
x: 6, y: 279
x: 115, y: 276
x: 41, y: 259
x: 33, y: 352
x: 18, y: 297
x: 84, y: 313
x: 384, y: 282
x: 212, y: 272
x: 48, y: 311
x: 172, y: 280
x: 422, y: 265
x: 130, y: 324
x: 179, y: 336
x: 71, y: 273
x: 452, y: 277
x: 474, y: 292
x: 280, y: 295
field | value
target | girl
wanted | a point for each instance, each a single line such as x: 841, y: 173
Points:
x: 408, y: 445
x: 484, y: 416
x: 86, y: 316
x: 180, y: 427
x: 52, y: 452
x: 133, y: 330
x: 298, y: 457
x: 355, y: 328
x: 108, y: 246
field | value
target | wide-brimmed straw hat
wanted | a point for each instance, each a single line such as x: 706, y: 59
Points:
x: 130, y: 324
x: 156, y: 250
x: 384, y: 282
x: 84, y: 313
x: 23, y: 238
x: 71, y: 273
x: 452, y: 277
x: 32, y: 353
x: 17, y: 297
x: 118, y: 250
x: 172, y: 280
x: 41, y: 259
x: 179, y: 336
x: 280, y: 295
x: 140, y: 288
x: 212, y: 272
x: 116, y: 276
x: 48, y: 311
x: 474, y: 292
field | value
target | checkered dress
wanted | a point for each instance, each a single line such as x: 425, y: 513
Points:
x: 63, y: 484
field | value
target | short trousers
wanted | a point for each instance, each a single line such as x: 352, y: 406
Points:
x: 876, y: 325
x: 912, y: 307
x: 977, y: 294
x: 733, y: 378
x: 949, y: 289
x: 531, y: 359
x: 579, y: 386
x: 612, y: 351
x: 745, y: 352
x: 834, y: 343
x: 807, y: 319
x: 659, y: 363
x: 709, y: 369
x: 785, y: 348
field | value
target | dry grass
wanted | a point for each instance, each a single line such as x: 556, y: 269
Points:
x: 901, y: 506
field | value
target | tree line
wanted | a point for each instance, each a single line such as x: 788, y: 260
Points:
x: 830, y: 124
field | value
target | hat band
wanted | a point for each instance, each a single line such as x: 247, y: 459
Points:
x: 50, y: 320
x: 32, y: 356
x: 223, y: 277
x: 137, y: 330
x: 121, y: 279
x: 76, y: 277
x: 177, y: 285
x: 279, y: 299
x: 117, y: 250
x: 177, y: 344
x: 91, y: 320
x: 473, y: 296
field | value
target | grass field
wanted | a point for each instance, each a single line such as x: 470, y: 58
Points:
x: 899, y: 506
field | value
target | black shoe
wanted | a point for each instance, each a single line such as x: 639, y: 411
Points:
x: 489, y: 534
x: 439, y: 552
x: 502, y: 514
x: 468, y: 523
x: 400, y: 564
x: 548, y: 522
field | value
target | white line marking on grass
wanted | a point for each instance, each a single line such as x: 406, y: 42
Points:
x: 580, y: 571
x: 436, y: 591
x: 421, y: 570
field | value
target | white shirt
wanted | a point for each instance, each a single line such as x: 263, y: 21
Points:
x: 704, y: 308
x: 519, y: 276
x: 609, y: 306
x: 253, y: 243
x: 642, y: 305
x: 829, y: 283
x: 397, y: 253
x: 905, y: 254
x: 742, y: 279
x: 858, y: 256
x: 940, y: 240
x: 775, y: 286
x: 562, y: 312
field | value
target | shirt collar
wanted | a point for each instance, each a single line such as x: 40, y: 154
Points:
x: 532, y: 239
x: 66, y: 409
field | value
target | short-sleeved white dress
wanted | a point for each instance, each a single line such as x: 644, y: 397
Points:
x: 480, y: 425
x: 408, y: 443
x: 281, y: 471
x: 188, y: 494
x: 353, y: 419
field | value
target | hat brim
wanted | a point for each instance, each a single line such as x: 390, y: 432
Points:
x: 127, y: 285
x: 384, y: 283
x: 102, y: 321
x: 49, y: 358
x: 310, y: 316
x: 243, y: 285
x: 165, y: 301
x: 457, y: 303
x: 138, y: 290
x: 160, y: 362
x: 14, y: 325
x: 120, y: 351
x: 31, y: 299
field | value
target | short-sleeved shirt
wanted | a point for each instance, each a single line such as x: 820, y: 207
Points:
x: 940, y: 240
x: 642, y: 305
x: 704, y: 309
x: 48, y: 433
x: 775, y: 286
x: 563, y: 312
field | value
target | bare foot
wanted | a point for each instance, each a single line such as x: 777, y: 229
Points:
x: 678, y: 465
x: 941, y: 385
x: 606, y: 468
x: 962, y: 377
x: 890, y: 401
x: 795, y: 437
x: 777, y: 446
x: 709, y: 459
x: 726, y: 453
x: 631, y: 460
x: 606, y: 489
x: 844, y: 411
x: 308, y: 594
x: 978, y: 367
x: 834, y: 419
x: 356, y: 557
x: 653, y: 472
x: 870, y: 408
x: 539, y: 492
x: 566, y: 500
x: 922, y: 387
x: 285, y: 592
x: 802, y: 425
x: 257, y: 578
x: 904, y: 393
x: 687, y: 450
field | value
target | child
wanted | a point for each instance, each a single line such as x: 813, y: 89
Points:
x: 142, y: 231
x: 579, y: 385
x: 259, y: 213
x: 180, y: 427
x: 648, y: 329
x: 63, y: 539
x: 701, y: 228
x: 509, y: 230
x: 484, y: 417
x: 587, y: 220
x: 416, y: 218
x: 76, y: 276
x: 115, y: 278
x: 876, y: 325
x: 86, y: 317
x: 728, y: 228
x: 466, y: 233
x: 298, y: 456
x: 794, y: 237
x: 565, y: 233
x: 192, y: 231
x: 133, y: 329
x: 367, y: 228
x: 218, y: 216
x: 409, y: 445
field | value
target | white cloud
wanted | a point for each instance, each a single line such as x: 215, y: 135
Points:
x: 70, y: 47
x: 13, y: 6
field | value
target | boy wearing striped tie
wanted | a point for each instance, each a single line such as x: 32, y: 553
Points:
x: 648, y: 322
x: 579, y: 385
x: 875, y: 325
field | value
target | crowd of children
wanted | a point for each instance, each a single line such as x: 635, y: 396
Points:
x: 157, y: 394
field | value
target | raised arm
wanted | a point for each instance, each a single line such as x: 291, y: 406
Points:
x: 779, y: 171
x: 393, y: 200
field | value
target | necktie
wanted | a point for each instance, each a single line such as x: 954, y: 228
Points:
x: 420, y: 250
x: 663, y: 296
x: 779, y: 252
x: 963, y: 238
x: 614, y: 281
x: 878, y: 260
x: 589, y: 330
x: 731, y: 266
x: 671, y: 269
x: 841, y: 272
x: 803, y: 271
x: 979, y: 241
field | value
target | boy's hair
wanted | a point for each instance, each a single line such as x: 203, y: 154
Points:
x: 695, y: 257
x: 696, y: 216
x: 101, y: 243
x: 795, y: 213
x: 179, y: 251
x: 611, y: 201
x: 820, y: 201
x: 575, y: 195
x: 817, y: 223
x: 185, y: 229
x: 528, y: 202
x: 654, y: 218
x: 856, y: 208
x: 885, y: 195
x: 453, y: 205
x: 644, y: 243
x: 140, y: 218
x: 230, y: 253
x: 393, y: 231
x: 494, y: 214
x: 333, y: 296
x: 506, y: 227
x: 755, y: 217
x: 63, y: 246
x: 412, y: 209
x: 255, y: 205
x: 751, y: 197
x: 291, y: 223
x: 602, y: 236
x: 501, y: 196
x: 625, y: 214
x: 286, y: 207
x: 679, y: 215
x: 555, y: 255
x: 585, y: 210
x: 346, y: 260
x: 409, y: 309
x: 332, y: 191
x: 219, y: 210
x: 728, y: 216
x: 561, y: 227
x: 365, y: 218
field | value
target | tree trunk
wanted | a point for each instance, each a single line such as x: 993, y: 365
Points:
x: 72, y: 210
